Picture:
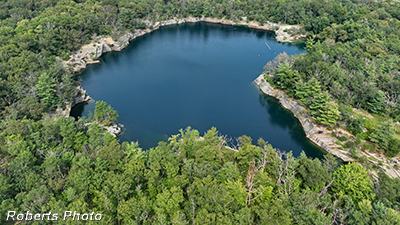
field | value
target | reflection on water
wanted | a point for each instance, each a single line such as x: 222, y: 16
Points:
x: 199, y: 75
x: 284, y: 119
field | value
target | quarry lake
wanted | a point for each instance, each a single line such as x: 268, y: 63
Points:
x: 198, y: 75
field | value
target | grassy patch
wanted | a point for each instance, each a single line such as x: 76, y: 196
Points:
x: 370, y: 121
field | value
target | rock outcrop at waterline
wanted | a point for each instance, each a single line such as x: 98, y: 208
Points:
x: 90, y: 53
x: 80, y: 97
x: 114, y: 130
x: 316, y: 133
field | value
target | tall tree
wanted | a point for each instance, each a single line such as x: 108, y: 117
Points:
x: 383, y: 134
x: 352, y: 181
x: 325, y: 109
x: 46, y: 88
x: 104, y: 113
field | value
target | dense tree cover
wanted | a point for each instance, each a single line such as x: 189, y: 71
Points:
x: 353, y: 58
x: 105, y: 114
x: 58, y: 164
x: 353, y: 61
x: 33, y: 33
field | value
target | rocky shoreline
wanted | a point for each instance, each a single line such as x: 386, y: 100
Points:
x: 318, y: 134
x: 89, y: 54
x: 321, y: 136
x: 80, y: 97
x: 113, y: 129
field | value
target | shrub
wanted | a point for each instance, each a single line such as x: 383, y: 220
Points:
x: 382, y: 135
x: 64, y: 56
x: 367, y: 146
x: 104, y: 113
x: 363, y: 159
x: 342, y: 138
x: 393, y: 148
x: 362, y: 136
x: 354, y: 153
x: 349, y: 144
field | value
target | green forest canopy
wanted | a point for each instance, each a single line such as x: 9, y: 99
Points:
x: 60, y: 164
x: 64, y: 165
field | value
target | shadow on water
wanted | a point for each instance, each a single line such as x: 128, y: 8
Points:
x: 77, y: 110
x: 264, y: 34
x: 181, y: 69
x: 284, y: 119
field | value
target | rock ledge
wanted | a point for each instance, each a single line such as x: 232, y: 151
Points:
x: 316, y: 133
x: 90, y: 53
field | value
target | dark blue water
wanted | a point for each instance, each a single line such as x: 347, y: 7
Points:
x: 199, y: 75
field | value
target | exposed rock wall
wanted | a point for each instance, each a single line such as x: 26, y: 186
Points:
x: 317, y: 134
x: 89, y: 54
x: 80, y: 97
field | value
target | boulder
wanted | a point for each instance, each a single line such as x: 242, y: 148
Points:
x: 114, y: 130
x: 80, y: 96
x: 105, y: 48
x: 122, y: 42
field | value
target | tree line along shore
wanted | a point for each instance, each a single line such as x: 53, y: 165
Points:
x: 348, y: 79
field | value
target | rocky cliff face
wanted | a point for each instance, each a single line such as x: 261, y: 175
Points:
x: 298, y: 110
x: 89, y: 54
x: 80, y: 97
x: 314, y: 132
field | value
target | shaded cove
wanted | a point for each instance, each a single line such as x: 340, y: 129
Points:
x: 198, y: 75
